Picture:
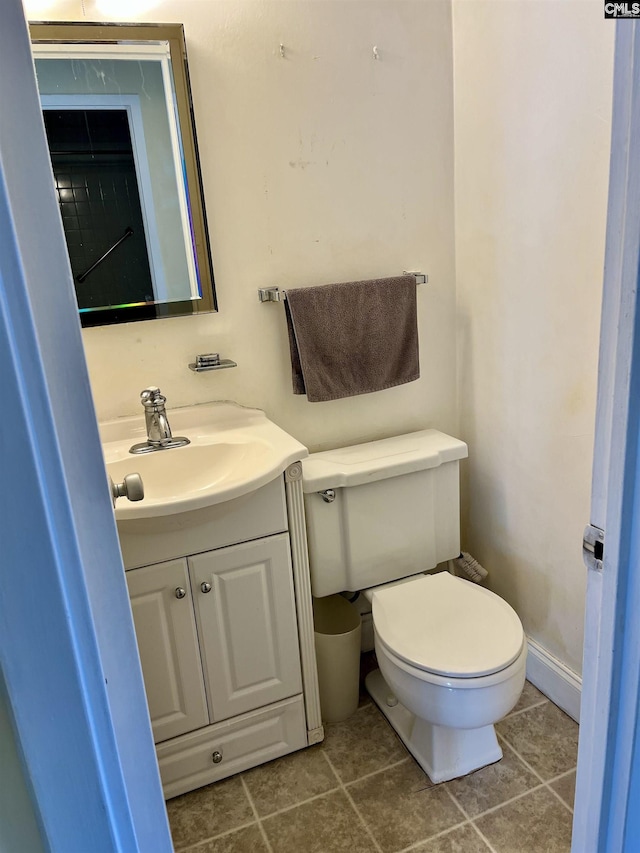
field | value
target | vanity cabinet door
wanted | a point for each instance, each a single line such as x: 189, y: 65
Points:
x: 245, y: 609
x: 168, y: 645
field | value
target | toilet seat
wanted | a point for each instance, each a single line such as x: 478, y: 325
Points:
x: 447, y: 626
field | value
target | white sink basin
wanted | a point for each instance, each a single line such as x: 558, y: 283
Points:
x: 233, y: 451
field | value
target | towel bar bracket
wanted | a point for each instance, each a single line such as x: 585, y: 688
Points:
x: 274, y: 294
x: 420, y: 277
x: 271, y: 294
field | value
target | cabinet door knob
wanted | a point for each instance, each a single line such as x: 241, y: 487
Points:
x: 131, y: 488
x: 205, y: 587
x: 180, y: 592
x: 217, y: 756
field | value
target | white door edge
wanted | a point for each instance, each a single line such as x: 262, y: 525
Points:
x: 606, y: 732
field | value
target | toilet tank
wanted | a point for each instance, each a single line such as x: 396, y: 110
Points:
x: 396, y: 510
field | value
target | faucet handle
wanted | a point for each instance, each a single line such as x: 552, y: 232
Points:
x: 152, y: 396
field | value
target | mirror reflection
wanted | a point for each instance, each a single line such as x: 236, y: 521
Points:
x: 118, y: 119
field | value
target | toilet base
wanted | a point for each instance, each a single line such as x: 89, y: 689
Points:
x: 443, y: 753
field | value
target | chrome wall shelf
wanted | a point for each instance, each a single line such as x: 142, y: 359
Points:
x: 211, y: 361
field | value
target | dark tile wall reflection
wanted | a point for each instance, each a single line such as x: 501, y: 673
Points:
x: 99, y: 199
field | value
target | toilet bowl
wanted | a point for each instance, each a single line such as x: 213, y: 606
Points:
x: 452, y: 659
x: 451, y: 653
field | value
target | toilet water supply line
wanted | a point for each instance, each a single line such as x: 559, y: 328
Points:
x: 468, y: 566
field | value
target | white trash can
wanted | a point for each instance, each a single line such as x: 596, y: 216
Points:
x: 337, y: 636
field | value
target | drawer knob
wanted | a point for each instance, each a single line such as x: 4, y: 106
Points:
x: 217, y: 756
x: 180, y: 592
x: 205, y: 587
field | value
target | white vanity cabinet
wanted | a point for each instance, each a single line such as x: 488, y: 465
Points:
x: 245, y: 610
x: 225, y: 634
x: 161, y: 603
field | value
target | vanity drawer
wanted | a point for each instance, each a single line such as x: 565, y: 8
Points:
x: 187, y: 762
x: 153, y: 540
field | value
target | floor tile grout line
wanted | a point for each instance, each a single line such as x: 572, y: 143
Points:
x: 333, y: 769
x: 483, y: 837
x: 528, y: 708
x: 510, y: 801
x: 557, y: 795
x: 471, y: 821
x: 506, y: 740
x: 301, y: 803
x: 373, y: 772
x: 202, y: 841
x: 542, y: 786
x: 530, y: 767
x: 432, y: 787
x: 563, y: 774
x: 459, y: 805
x: 263, y: 832
x: 365, y: 825
x: 523, y: 760
x: 557, y: 779
x: 422, y: 841
x: 545, y: 782
x: 456, y: 803
x: 468, y: 821
x: 367, y: 828
x: 469, y: 818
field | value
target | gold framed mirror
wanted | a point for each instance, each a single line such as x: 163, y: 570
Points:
x: 119, y: 120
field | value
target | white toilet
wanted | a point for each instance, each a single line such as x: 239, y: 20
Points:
x: 451, y: 654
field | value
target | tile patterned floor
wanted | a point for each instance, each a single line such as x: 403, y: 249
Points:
x: 361, y: 792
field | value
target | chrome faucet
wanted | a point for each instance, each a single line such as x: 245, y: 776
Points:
x: 155, y: 416
x: 159, y: 435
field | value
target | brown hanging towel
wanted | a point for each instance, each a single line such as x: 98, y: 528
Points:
x: 353, y: 338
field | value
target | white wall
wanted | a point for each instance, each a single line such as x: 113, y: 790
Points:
x: 327, y: 165
x: 533, y: 85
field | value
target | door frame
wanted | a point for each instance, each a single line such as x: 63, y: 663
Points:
x: 611, y: 679
x: 68, y: 654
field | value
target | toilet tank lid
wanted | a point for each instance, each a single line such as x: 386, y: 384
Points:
x: 379, y: 460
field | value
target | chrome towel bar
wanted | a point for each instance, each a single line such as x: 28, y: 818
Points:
x: 274, y: 294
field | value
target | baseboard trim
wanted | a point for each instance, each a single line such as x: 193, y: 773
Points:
x: 554, y: 678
